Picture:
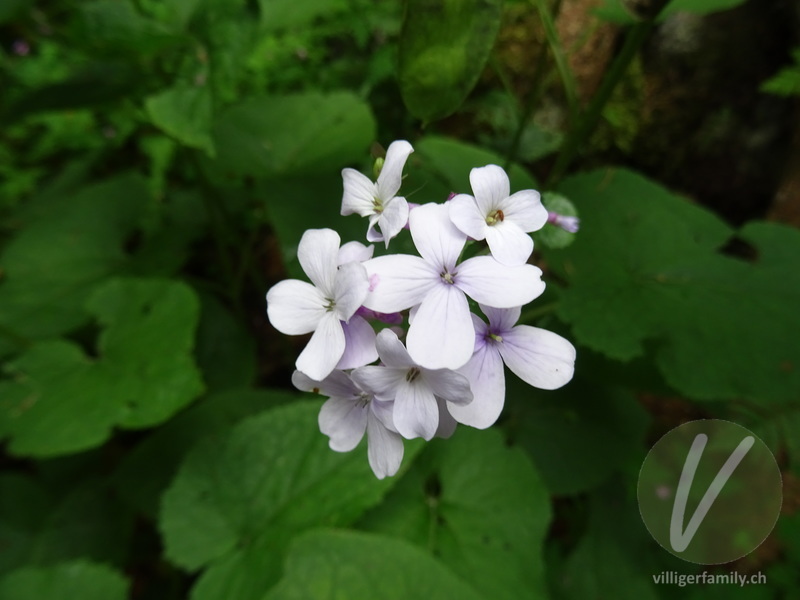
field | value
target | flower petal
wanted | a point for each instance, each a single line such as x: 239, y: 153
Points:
x: 525, y: 209
x: 416, y: 413
x: 400, y: 281
x: 350, y: 287
x: 344, y: 420
x: 391, y: 175
x: 437, y: 240
x: 466, y: 216
x: 359, y: 193
x: 501, y: 319
x: 324, y: 349
x: 508, y: 243
x: 393, y: 218
x: 449, y: 385
x: 359, y: 344
x: 491, y: 186
x: 384, y: 448
x: 442, y: 335
x: 392, y: 351
x: 381, y: 381
x: 383, y: 411
x: 317, y: 254
x: 354, y: 252
x: 539, y: 357
x: 488, y: 383
x: 337, y: 384
x: 447, y: 424
x: 487, y: 281
x: 295, y: 307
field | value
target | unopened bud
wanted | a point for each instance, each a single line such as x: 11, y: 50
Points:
x: 377, y: 167
x: 569, y: 224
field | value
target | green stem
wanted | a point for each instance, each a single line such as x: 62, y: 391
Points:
x: 588, y: 120
x: 538, y: 312
x: 560, y: 58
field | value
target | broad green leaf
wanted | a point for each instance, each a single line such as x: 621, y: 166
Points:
x: 283, y: 14
x: 322, y: 565
x: 616, y: 12
x: 645, y: 267
x: 477, y: 505
x: 146, y: 471
x: 66, y: 581
x: 61, y: 401
x: 444, y: 45
x: 240, y: 496
x: 67, y: 244
x: 185, y: 113
x: 116, y: 26
x: 39, y: 527
x: 294, y: 134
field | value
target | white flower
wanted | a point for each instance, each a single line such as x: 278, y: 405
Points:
x: 348, y: 413
x: 442, y: 334
x: 378, y: 200
x: 416, y: 391
x: 539, y: 357
x: 503, y: 220
x: 295, y: 307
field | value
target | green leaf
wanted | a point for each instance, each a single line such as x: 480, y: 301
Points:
x: 146, y: 471
x: 616, y: 12
x: 480, y: 507
x: 66, y: 245
x: 62, y: 401
x: 645, y: 267
x: 356, y: 566
x: 443, y: 48
x: 284, y: 14
x: 10, y: 9
x: 551, y: 235
x: 115, y: 26
x: 67, y: 581
x: 185, y: 113
x: 294, y: 134
x: 242, y: 495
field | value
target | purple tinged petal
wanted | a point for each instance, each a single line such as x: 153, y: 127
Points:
x: 337, y: 384
x: 447, y: 424
x: 487, y: 381
x: 449, y: 385
x: 441, y: 335
x: 295, y: 307
x: 317, y: 254
x: 381, y: 381
x: 324, y: 349
x: 491, y: 186
x: 354, y: 252
x: 383, y: 411
x: 391, y: 175
x: 384, y: 448
x: 344, y: 421
x: 466, y: 216
x: 359, y: 344
x: 501, y: 319
x: 416, y: 413
x: 487, y: 281
x: 400, y: 281
x: 392, y: 351
x: 509, y: 244
x: 373, y: 235
x: 437, y: 240
x: 539, y: 357
x: 350, y: 288
x: 359, y: 193
x: 393, y: 218
x: 525, y: 209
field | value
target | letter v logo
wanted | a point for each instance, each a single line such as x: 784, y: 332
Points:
x: 680, y: 540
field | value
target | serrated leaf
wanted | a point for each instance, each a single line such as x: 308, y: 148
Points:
x: 61, y: 401
x: 67, y: 581
x: 646, y: 267
x: 294, y: 134
x: 242, y: 495
x: 443, y: 48
x: 185, y: 113
x: 458, y: 500
x: 358, y: 566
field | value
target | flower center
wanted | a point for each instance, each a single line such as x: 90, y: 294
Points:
x: 495, y: 337
x: 363, y: 399
x: 331, y: 304
x: 377, y: 204
x: 447, y: 276
x: 412, y: 374
x: 495, y: 217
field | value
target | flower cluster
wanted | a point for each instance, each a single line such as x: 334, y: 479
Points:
x: 451, y: 368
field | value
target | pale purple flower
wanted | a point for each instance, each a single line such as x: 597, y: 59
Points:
x: 379, y: 200
x: 539, y: 357
x: 501, y: 219
x: 359, y: 335
x: 350, y: 412
x: 295, y: 307
x: 416, y: 391
x: 441, y: 334
x: 567, y: 223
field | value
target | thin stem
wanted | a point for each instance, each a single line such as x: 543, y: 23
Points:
x: 538, y: 312
x: 588, y: 120
x: 554, y: 43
